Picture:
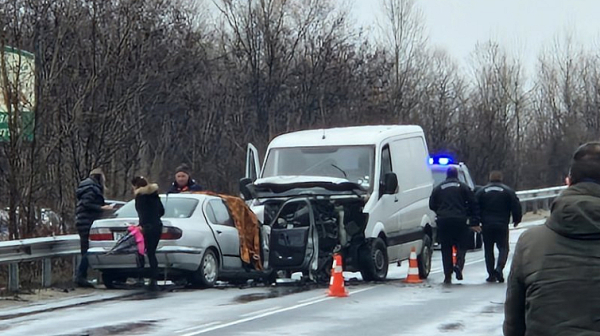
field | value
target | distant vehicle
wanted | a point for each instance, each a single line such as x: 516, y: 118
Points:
x: 116, y: 204
x: 439, y: 166
x: 359, y: 191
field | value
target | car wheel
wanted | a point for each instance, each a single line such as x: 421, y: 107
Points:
x: 208, y: 272
x: 375, y: 263
x: 424, y: 259
x: 109, y: 278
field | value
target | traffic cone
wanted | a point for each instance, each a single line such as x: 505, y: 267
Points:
x: 413, y: 268
x: 336, y: 284
x: 453, y: 254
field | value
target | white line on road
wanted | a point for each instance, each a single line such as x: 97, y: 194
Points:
x: 312, y: 299
x: 256, y: 317
x: 261, y: 311
x: 198, y: 327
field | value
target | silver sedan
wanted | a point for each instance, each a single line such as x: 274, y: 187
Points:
x: 199, y: 243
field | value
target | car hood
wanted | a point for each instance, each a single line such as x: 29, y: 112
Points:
x: 302, y: 184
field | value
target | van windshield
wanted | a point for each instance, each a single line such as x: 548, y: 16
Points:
x: 354, y: 163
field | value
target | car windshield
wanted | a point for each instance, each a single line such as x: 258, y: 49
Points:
x: 354, y: 163
x: 175, y: 207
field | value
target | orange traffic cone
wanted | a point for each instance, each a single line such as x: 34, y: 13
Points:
x: 453, y: 254
x: 413, y: 268
x: 336, y: 284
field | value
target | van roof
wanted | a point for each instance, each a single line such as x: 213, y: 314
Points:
x: 357, y: 135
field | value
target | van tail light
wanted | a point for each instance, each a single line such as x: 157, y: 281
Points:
x: 99, y: 234
x: 170, y: 233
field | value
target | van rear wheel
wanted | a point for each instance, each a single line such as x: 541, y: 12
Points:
x: 375, y: 262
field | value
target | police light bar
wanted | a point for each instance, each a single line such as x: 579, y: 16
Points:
x: 441, y: 160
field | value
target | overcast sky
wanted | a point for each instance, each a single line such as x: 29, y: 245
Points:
x: 523, y: 26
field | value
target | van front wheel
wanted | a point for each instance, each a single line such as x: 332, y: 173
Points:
x: 375, y: 262
x: 424, y: 259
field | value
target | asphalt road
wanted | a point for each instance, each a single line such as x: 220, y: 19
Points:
x: 468, y: 307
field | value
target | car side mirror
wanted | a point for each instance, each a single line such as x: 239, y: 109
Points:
x: 390, y: 184
x: 244, y: 190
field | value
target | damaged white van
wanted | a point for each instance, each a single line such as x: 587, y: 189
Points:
x: 359, y: 191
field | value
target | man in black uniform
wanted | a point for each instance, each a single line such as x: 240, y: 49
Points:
x: 497, y: 202
x: 454, y: 203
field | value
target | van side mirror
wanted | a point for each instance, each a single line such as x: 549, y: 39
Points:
x: 390, y: 183
x: 244, y: 190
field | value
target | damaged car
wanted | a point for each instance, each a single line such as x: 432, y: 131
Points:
x: 361, y: 192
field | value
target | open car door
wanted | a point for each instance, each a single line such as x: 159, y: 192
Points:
x: 252, y: 163
x: 294, y: 239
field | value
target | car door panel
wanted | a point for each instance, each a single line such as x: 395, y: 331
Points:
x: 226, y: 234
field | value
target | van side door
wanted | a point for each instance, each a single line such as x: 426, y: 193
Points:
x: 384, y: 211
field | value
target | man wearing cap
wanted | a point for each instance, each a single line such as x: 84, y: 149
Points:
x: 90, y: 207
x: 183, y: 181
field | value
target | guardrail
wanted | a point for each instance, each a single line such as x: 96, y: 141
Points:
x: 534, y: 200
x: 15, y: 251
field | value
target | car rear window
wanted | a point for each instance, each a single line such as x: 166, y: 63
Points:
x: 175, y: 207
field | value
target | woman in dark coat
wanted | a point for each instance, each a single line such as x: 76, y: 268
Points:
x: 150, y: 209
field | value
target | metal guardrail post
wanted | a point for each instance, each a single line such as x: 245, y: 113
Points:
x: 546, y: 202
x: 13, y: 277
x: 76, y: 260
x: 47, y: 272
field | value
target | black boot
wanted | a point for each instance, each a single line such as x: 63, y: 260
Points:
x: 491, y: 278
x: 458, y: 271
x: 499, y: 275
x: 448, y: 280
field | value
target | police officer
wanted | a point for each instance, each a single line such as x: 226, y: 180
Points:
x: 454, y: 203
x: 497, y: 202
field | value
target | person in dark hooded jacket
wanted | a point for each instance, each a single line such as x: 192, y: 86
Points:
x: 555, y: 274
x: 90, y: 207
x: 184, y: 181
x: 150, y: 210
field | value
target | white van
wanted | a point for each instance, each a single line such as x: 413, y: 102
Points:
x: 360, y: 191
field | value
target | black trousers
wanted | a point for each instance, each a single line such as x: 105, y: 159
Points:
x: 495, y: 235
x: 151, y: 238
x: 453, y: 232
x: 84, y: 244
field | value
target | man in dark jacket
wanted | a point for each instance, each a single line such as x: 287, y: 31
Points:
x: 90, y: 207
x: 555, y: 273
x: 183, y: 181
x: 454, y: 203
x: 497, y: 202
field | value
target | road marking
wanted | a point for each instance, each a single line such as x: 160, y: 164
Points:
x: 269, y: 313
x: 312, y: 299
x: 261, y: 311
x: 198, y: 327
x: 467, y: 263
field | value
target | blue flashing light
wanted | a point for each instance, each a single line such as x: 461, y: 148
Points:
x: 441, y: 160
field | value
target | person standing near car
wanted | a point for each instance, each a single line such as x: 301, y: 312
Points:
x: 184, y: 181
x: 552, y: 288
x: 90, y: 207
x: 497, y: 202
x: 454, y: 203
x: 150, y: 210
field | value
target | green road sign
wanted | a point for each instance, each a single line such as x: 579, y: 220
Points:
x: 20, y: 69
